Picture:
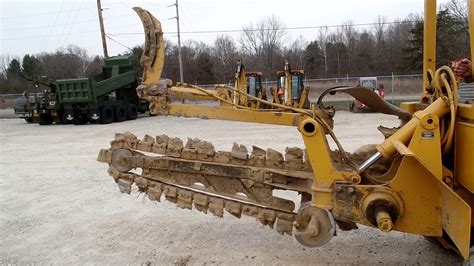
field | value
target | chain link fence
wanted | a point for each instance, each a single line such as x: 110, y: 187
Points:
x: 396, y: 87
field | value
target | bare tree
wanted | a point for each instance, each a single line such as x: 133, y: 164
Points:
x: 323, y: 41
x: 459, y: 9
x: 379, y: 33
x: 224, y: 54
x: 264, y: 40
x: 350, y: 36
x: 296, y: 52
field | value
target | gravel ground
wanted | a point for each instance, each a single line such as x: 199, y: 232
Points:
x: 58, y: 205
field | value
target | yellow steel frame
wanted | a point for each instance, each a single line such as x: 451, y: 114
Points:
x: 430, y: 198
x: 425, y: 197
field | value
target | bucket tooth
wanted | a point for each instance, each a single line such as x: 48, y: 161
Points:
x: 185, y: 199
x: 257, y: 157
x: 191, y: 143
x: 205, y: 151
x: 239, y: 154
x: 222, y: 157
x: 105, y: 156
x: 293, y: 153
x: 267, y: 217
x: 250, y: 211
x: 189, y: 150
x: 119, y: 136
x: 274, y: 159
x: 154, y: 192
x: 141, y: 183
x: 294, y: 158
x: 171, y: 193
x: 125, y: 186
x: 201, y: 202
x: 284, y: 226
x: 174, y: 148
x: 216, y: 206
x: 127, y: 136
x: 146, y: 143
x: 125, y: 141
x: 160, y: 144
x: 148, y: 139
x: 113, y: 173
x: 233, y: 208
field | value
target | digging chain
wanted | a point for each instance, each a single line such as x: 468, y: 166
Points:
x: 236, y: 181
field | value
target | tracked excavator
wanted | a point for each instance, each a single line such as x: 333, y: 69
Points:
x: 420, y: 180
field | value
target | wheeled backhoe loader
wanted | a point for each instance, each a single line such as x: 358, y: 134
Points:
x: 290, y: 90
x: 420, y: 180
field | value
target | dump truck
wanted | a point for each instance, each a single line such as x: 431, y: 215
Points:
x: 419, y: 180
x: 105, y: 98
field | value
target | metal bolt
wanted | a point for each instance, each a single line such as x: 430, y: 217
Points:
x: 447, y: 180
x: 355, y: 179
x: 338, y: 189
x: 384, y: 221
x: 350, y: 190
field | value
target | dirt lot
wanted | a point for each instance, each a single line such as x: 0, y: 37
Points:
x: 58, y: 205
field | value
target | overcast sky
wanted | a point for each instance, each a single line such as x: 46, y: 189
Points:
x: 34, y: 26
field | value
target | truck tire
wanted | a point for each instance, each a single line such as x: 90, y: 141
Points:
x: 45, y: 120
x: 29, y: 120
x: 64, y: 118
x: 120, y: 114
x: 106, y: 114
x: 132, y: 112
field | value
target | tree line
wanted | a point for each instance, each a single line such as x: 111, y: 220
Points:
x: 346, y: 50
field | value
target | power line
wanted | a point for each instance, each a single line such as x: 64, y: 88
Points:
x: 41, y: 36
x: 46, y: 13
x: 119, y: 43
x: 54, y: 25
x: 68, y: 17
x: 284, y: 29
x: 210, y: 31
x: 49, y: 26
x: 72, y: 25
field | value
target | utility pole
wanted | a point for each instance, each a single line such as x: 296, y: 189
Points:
x: 102, y: 30
x: 180, y: 59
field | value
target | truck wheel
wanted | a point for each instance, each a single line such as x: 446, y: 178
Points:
x: 64, y: 118
x: 29, y: 119
x: 120, y: 114
x: 45, y: 120
x: 106, y: 115
x: 132, y: 112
